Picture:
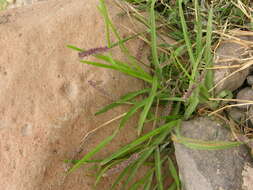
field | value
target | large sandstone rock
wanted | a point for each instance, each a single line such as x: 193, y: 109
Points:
x: 47, y: 103
x: 211, y: 169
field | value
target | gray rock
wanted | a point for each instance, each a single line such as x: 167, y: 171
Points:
x: 245, y: 94
x: 227, y: 54
x: 210, y: 170
x: 236, y: 114
x: 250, y: 80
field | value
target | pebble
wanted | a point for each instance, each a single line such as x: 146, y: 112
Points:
x: 250, y: 80
x: 236, y: 114
x: 245, y: 94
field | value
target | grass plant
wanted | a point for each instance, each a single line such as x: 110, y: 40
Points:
x: 179, y: 78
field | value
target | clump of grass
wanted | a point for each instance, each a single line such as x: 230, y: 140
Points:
x: 178, y: 79
x: 3, y: 4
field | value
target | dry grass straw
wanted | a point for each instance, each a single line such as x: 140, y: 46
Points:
x: 242, y: 103
x: 101, y: 126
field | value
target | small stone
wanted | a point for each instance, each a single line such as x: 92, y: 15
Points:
x: 228, y: 54
x: 245, y: 94
x: 236, y: 114
x: 250, y: 80
x: 210, y: 169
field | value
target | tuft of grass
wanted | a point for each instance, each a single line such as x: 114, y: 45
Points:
x: 179, y: 79
x: 3, y: 4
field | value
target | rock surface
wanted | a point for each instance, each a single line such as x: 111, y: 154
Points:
x: 237, y: 114
x: 228, y: 54
x: 48, y: 98
x: 250, y: 80
x: 210, y: 170
x: 245, y: 94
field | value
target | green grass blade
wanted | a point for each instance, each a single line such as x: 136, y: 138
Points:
x: 121, y: 64
x: 183, y: 69
x: 131, y: 112
x: 148, y: 105
x: 103, y: 171
x: 148, y: 184
x: 208, y: 52
x: 143, y: 180
x: 140, y: 140
x: 100, y: 146
x: 195, y: 73
x: 124, y: 99
x: 198, y: 28
x: 193, y: 103
x: 186, y: 33
x: 174, y: 174
x: 99, y: 64
x: 173, y: 186
x: 205, y: 145
x: 131, y: 72
x: 74, y: 48
x: 123, y: 174
x: 126, y: 71
x: 143, y: 157
x: 154, y: 40
x: 102, y: 8
x: 158, y: 169
x: 104, y: 11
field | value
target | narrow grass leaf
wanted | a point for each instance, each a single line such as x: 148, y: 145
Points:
x: 103, y: 171
x: 174, y: 99
x: 127, y: 71
x: 104, y: 11
x: 148, y: 184
x: 186, y: 33
x: 205, y: 145
x: 99, y: 64
x: 140, y: 140
x: 108, y: 59
x: 100, y: 146
x: 143, y: 180
x: 199, y: 28
x: 174, y: 174
x: 154, y: 39
x: 143, y: 157
x: 158, y: 169
x: 193, y: 103
x: 208, y: 50
x: 124, y: 99
x: 131, y: 71
x: 183, y: 69
x: 75, y: 48
x: 123, y: 174
x: 148, y: 105
x: 131, y: 112
x: 173, y: 186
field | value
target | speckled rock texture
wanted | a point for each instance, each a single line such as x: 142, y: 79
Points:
x: 245, y: 94
x: 48, y: 98
x: 231, y: 53
x: 210, y: 170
